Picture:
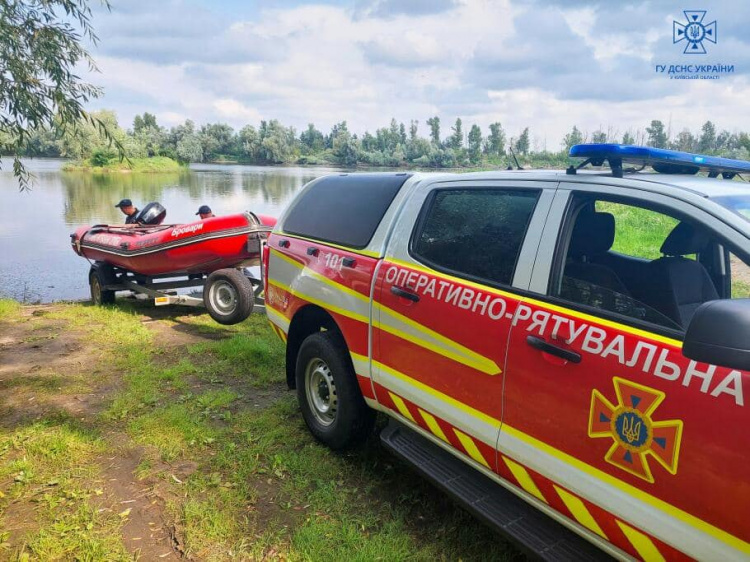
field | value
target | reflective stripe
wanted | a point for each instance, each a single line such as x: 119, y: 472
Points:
x: 579, y: 511
x: 403, y: 410
x: 278, y: 318
x: 471, y: 447
x: 361, y: 364
x: 457, y: 414
x: 411, y: 331
x: 666, y: 522
x: 433, y: 424
x: 303, y: 282
x: 524, y: 479
x: 642, y: 544
x: 320, y: 303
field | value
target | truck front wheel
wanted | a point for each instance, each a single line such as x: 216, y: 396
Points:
x: 328, y: 393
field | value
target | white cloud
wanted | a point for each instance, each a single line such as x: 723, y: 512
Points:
x: 547, y: 65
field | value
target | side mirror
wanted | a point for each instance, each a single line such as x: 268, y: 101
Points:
x: 719, y: 334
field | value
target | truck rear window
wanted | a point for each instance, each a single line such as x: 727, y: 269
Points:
x: 345, y: 210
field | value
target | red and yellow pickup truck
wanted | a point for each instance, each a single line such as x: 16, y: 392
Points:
x: 566, y: 353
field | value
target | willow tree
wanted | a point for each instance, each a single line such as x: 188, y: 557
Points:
x: 41, y: 46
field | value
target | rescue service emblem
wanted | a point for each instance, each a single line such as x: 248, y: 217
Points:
x: 634, y: 433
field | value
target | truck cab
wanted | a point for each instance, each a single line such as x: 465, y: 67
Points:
x: 566, y: 353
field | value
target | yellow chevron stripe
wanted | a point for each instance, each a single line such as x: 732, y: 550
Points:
x: 320, y: 303
x: 591, y: 471
x: 432, y: 423
x: 643, y: 545
x: 449, y: 348
x: 524, y: 479
x: 579, y: 511
x: 471, y: 447
x: 402, y: 407
x: 462, y: 354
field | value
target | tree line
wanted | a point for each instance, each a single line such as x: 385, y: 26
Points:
x: 394, y: 145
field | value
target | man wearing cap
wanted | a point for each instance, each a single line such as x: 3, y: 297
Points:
x: 205, y: 212
x: 129, y: 210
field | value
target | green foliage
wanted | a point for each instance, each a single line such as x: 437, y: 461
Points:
x: 572, y: 138
x: 100, y: 158
x: 627, y: 138
x: 523, y: 142
x: 599, y: 137
x: 475, y: 144
x: 434, y: 124
x: 657, y: 136
x: 707, y: 141
x: 41, y: 47
x: 496, y: 140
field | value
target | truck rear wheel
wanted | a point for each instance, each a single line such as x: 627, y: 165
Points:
x: 328, y: 394
x: 228, y: 296
x: 99, y: 277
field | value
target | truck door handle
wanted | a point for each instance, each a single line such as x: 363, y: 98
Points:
x: 541, y: 345
x: 399, y: 292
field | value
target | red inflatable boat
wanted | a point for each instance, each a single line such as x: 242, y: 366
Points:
x: 199, y: 247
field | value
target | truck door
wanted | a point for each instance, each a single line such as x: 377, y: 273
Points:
x: 443, y: 305
x: 614, y: 427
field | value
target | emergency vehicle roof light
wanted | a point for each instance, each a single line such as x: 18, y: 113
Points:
x: 663, y: 161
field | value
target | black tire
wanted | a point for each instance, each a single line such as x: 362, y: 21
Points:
x: 228, y: 296
x: 328, y: 393
x: 99, y: 277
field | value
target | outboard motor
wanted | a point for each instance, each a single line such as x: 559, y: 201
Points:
x: 152, y: 214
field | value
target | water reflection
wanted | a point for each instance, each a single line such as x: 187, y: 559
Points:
x: 36, y: 262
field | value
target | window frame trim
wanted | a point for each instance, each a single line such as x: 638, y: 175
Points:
x: 427, y: 206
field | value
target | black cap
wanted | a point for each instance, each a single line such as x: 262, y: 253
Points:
x: 125, y: 203
x: 204, y: 210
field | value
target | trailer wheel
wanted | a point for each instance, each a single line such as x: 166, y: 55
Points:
x: 99, y: 277
x: 228, y: 296
x: 328, y: 393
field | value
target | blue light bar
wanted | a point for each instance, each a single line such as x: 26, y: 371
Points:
x: 669, y: 161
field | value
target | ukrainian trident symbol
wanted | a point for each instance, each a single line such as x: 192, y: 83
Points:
x: 634, y: 434
x: 694, y: 32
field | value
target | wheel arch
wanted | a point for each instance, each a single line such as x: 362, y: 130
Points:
x: 308, y: 320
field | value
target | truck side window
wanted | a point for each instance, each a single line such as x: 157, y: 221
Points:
x: 644, y: 264
x: 475, y: 233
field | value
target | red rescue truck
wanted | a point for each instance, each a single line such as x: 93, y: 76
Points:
x: 559, y: 351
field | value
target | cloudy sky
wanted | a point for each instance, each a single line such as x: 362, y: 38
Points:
x: 544, y: 64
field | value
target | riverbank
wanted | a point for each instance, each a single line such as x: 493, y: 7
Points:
x: 134, y: 431
x: 155, y: 165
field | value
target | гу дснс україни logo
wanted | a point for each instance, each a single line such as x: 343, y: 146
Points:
x: 694, y: 32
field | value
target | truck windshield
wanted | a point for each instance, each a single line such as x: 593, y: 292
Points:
x: 739, y: 204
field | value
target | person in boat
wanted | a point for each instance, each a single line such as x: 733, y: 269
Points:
x: 129, y: 210
x: 205, y: 212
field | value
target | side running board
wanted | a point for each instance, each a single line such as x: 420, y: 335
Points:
x: 535, y: 532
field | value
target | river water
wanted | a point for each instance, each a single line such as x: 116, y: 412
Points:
x: 37, y: 263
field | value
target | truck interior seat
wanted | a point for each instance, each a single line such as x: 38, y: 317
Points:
x: 593, y: 236
x: 679, y: 285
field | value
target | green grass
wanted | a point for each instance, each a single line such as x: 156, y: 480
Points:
x: 51, y: 466
x: 156, y: 164
x: 638, y: 232
x: 261, y: 487
x: 9, y: 308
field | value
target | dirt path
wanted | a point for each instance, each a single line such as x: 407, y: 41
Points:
x: 48, y: 371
